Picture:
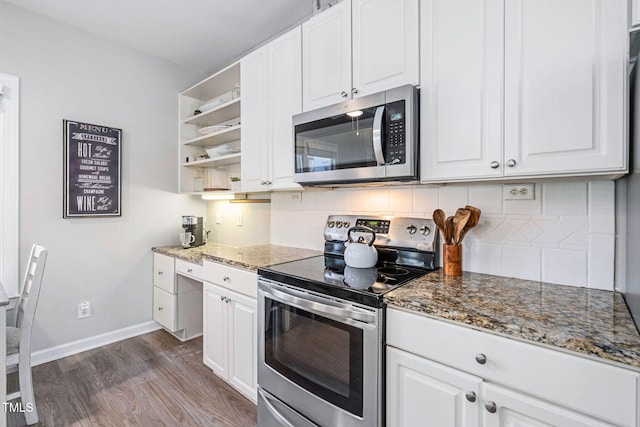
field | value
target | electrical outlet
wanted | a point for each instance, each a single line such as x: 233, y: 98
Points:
x: 239, y: 223
x: 218, y: 218
x: 84, y: 309
x: 518, y: 191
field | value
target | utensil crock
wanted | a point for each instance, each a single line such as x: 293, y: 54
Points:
x: 452, y: 260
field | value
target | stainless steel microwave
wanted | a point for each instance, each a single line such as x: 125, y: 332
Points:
x: 368, y: 139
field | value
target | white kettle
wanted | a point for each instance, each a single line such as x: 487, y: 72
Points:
x: 359, y: 254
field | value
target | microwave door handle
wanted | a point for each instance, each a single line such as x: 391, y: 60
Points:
x: 377, y: 135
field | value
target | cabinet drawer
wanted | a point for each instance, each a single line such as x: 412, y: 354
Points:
x: 591, y: 387
x: 235, y: 279
x: 164, y: 309
x: 164, y: 272
x: 187, y: 268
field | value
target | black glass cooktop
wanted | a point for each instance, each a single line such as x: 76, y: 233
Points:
x: 329, y: 275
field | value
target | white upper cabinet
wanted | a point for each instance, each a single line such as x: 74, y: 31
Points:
x: 379, y: 38
x: 253, y: 80
x: 326, y: 59
x: 461, y: 95
x: 386, y: 49
x: 565, y: 86
x: 271, y: 86
x: 523, y: 88
x: 284, y: 80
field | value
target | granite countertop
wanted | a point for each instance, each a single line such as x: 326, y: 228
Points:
x: 247, y: 257
x: 591, y: 322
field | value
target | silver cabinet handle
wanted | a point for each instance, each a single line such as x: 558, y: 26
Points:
x: 511, y: 163
x: 160, y: 273
x: 494, y: 164
x: 189, y: 270
x: 490, y: 406
x: 344, y: 94
x: 354, y: 91
x: 225, y: 278
x: 159, y: 308
x: 481, y: 358
x: 471, y: 396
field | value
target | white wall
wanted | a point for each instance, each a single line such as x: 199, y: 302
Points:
x: 566, y: 235
x: 69, y: 74
x: 222, y: 221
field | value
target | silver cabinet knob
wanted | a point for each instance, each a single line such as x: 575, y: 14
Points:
x: 160, y: 308
x: 354, y: 91
x: 490, y: 406
x: 227, y: 300
x: 189, y: 270
x: 494, y: 165
x: 344, y: 94
x: 471, y: 396
x: 160, y: 273
x: 481, y: 358
x: 225, y: 278
x: 511, y: 163
x: 221, y: 298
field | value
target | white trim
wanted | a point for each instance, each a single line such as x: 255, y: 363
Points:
x: 69, y: 349
x: 9, y: 183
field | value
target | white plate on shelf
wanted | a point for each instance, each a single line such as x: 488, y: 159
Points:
x: 211, y: 104
x: 213, y: 129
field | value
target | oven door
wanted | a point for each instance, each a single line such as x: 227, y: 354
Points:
x: 319, y: 356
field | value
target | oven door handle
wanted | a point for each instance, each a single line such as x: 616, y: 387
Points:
x: 318, y: 305
x: 377, y: 136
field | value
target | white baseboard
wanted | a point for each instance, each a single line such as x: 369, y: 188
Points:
x: 54, y: 353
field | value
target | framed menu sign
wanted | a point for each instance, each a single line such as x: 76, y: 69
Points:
x: 92, y: 170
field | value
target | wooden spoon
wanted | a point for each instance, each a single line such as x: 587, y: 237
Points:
x: 473, y: 221
x: 449, y: 231
x: 459, y: 222
x: 440, y: 218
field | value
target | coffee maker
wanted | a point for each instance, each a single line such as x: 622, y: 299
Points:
x: 194, y: 225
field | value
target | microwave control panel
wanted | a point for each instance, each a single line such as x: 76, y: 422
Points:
x: 396, y: 143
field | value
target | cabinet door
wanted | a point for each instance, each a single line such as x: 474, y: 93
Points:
x: 326, y: 57
x: 514, y: 409
x: 565, y: 66
x: 243, y: 341
x: 419, y: 390
x: 285, y: 100
x: 461, y: 95
x: 215, y: 329
x: 164, y: 272
x: 254, y: 118
x: 164, y: 309
x: 634, y: 14
x: 385, y: 44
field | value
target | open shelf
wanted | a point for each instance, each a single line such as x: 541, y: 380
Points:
x: 217, y: 138
x: 218, y: 161
x: 221, y: 113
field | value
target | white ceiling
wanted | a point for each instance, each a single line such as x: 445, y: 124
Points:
x: 201, y: 34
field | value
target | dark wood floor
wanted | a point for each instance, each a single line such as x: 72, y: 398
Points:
x: 150, y: 380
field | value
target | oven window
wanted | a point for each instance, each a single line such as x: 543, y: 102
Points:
x: 321, y: 355
x: 339, y: 142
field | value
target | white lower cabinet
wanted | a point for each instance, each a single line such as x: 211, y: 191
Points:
x: 177, y: 296
x: 450, y: 375
x: 230, y: 333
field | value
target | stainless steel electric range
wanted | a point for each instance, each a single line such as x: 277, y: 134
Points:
x: 321, y: 324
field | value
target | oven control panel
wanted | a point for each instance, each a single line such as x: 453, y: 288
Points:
x: 402, y: 232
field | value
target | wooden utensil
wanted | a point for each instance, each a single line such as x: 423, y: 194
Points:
x: 449, y: 231
x: 440, y: 218
x: 472, y: 222
x: 459, y: 222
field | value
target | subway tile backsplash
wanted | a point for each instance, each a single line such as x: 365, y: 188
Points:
x: 565, y: 235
